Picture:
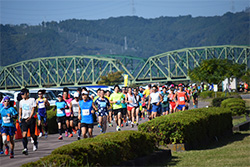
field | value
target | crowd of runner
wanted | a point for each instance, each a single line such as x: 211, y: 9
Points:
x: 124, y: 107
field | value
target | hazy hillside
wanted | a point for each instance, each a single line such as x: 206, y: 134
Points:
x: 144, y: 37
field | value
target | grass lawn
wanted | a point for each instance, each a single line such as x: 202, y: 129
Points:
x: 232, y: 151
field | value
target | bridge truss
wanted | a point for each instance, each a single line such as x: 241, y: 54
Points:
x: 86, y: 70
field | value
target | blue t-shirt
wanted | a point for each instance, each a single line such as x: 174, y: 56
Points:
x: 8, y: 120
x: 86, y: 107
x: 102, y: 105
x: 60, y: 108
x: 1, y: 106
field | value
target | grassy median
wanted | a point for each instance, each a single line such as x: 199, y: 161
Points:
x: 232, y: 151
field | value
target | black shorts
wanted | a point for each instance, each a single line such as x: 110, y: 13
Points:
x: 31, y: 124
x: 116, y: 111
x: 67, y: 118
x: 61, y: 120
x: 84, y: 125
x: 75, y: 120
x: 124, y: 111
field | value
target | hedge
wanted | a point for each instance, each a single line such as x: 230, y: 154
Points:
x: 237, y: 106
x: 194, y: 127
x: 216, y: 102
x: 104, y: 150
x: 211, y: 94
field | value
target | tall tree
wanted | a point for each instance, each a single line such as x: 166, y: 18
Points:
x: 216, y: 70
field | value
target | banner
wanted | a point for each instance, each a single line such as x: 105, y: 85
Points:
x: 125, y: 80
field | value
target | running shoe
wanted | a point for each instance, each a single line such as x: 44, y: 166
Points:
x: 132, y: 125
x: 1, y: 152
x: 35, y: 146
x: 25, y: 151
x: 110, y: 125
x: 126, y: 123
x: 118, y: 128
x: 60, y: 138
x: 137, y: 123
x: 11, y: 155
x: 46, y: 135
x: 40, y: 135
x: 74, y: 131
x: 78, y: 138
x: 121, y: 125
x: 66, y: 134
x: 71, y: 135
x: 6, y: 152
x: 100, y: 130
x: 99, y: 126
x: 31, y: 140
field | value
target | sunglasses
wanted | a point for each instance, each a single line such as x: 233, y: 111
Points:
x: 6, y: 101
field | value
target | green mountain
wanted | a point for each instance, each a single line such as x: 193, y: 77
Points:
x: 128, y: 35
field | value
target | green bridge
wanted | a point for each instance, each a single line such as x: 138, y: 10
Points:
x: 85, y: 70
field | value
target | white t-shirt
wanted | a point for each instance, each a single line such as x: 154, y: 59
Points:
x: 155, y: 97
x: 27, y: 106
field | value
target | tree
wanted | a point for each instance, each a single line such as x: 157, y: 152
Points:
x: 112, y: 78
x: 246, y: 76
x: 216, y: 70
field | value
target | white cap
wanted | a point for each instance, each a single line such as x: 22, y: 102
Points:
x: 76, y: 94
x: 84, y: 92
x: 194, y: 84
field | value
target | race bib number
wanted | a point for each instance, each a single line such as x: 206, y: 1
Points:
x: 182, y: 99
x: 165, y: 98
x: 41, y: 105
x: 85, y: 111
x: 6, y: 120
x: 67, y: 110
x: 75, y: 109
x: 103, y: 104
x: 59, y: 111
x: 26, y: 107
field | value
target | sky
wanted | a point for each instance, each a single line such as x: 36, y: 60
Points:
x: 34, y: 12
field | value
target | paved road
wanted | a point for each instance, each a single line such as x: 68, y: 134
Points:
x: 46, y: 146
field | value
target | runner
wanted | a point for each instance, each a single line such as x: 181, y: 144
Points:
x: 41, y: 104
x: 86, y: 109
x: 26, y: 117
x: 194, y: 94
x: 8, y: 127
x: 155, y: 99
x: 68, y: 100
x: 1, y: 142
x: 110, y: 109
x: 60, y: 113
x: 124, y: 108
x: 181, y: 98
x: 137, y: 106
x: 188, y: 92
x: 96, y: 113
x: 116, y: 99
x: 172, y: 103
x: 165, y: 102
x: 245, y: 87
x: 74, y: 109
x: 130, y: 100
x: 103, y: 105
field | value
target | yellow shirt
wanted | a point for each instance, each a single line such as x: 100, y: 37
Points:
x: 146, y: 92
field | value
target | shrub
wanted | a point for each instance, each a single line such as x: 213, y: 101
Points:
x: 211, y: 94
x: 194, y: 127
x: 106, y: 149
x: 237, y: 106
x: 216, y: 102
